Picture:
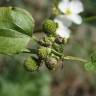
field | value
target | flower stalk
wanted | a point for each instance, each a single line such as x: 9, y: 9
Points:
x: 69, y: 57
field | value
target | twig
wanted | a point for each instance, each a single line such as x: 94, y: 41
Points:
x: 75, y: 59
x: 69, y: 57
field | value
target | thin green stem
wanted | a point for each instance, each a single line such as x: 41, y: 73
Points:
x: 75, y: 59
x: 90, y: 18
x: 56, y: 53
x: 69, y: 57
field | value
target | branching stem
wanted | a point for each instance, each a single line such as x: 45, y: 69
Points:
x: 69, y: 57
x: 66, y: 57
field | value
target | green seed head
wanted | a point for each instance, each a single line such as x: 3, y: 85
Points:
x: 49, y: 27
x: 31, y: 64
x: 44, y: 51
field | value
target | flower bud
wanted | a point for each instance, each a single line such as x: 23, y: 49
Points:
x: 31, y: 64
x: 45, y: 42
x: 43, y: 52
x: 55, y: 11
x: 50, y: 27
x: 51, y: 63
x: 59, y: 40
x: 49, y: 40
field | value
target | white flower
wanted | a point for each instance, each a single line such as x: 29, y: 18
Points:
x: 71, y: 10
x: 62, y: 30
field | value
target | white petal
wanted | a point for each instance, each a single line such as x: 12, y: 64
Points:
x: 60, y: 24
x: 63, y: 32
x: 63, y: 21
x: 76, y: 6
x: 75, y: 18
x: 63, y: 5
x: 65, y: 0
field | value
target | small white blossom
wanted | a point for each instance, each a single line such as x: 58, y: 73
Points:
x: 71, y: 10
x: 62, y: 30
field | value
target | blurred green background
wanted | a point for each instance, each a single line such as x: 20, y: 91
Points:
x: 73, y: 79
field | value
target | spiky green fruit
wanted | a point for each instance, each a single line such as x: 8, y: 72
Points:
x: 31, y: 64
x: 49, y: 26
x: 44, y: 51
x: 47, y: 41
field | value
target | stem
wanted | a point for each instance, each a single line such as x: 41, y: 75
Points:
x: 69, y: 57
x: 75, y: 59
x: 56, y: 53
x: 90, y: 18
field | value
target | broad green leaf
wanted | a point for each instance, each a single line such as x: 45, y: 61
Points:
x: 26, y: 23
x: 12, y: 43
x: 16, y: 27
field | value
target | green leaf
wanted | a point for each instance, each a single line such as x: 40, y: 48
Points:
x: 31, y: 64
x: 16, y: 27
x: 90, y: 66
x: 12, y: 43
x: 93, y: 57
x: 26, y: 22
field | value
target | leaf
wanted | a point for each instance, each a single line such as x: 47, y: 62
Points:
x: 16, y: 27
x: 90, y: 66
x: 10, y: 43
x: 26, y: 23
x: 31, y: 64
x: 93, y: 57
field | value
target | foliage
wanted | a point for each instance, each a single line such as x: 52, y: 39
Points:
x: 13, y: 34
